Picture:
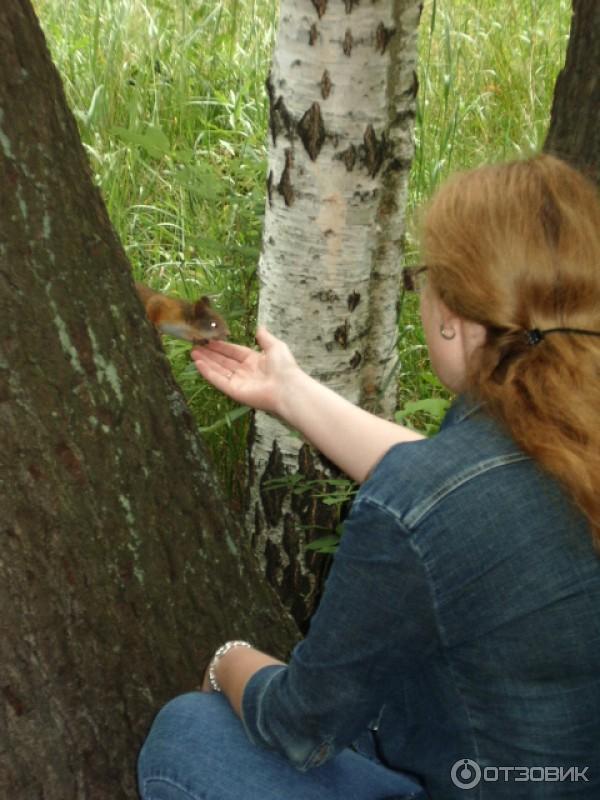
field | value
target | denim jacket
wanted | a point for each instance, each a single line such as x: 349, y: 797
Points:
x: 460, y: 621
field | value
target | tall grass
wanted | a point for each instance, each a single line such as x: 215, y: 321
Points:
x: 170, y: 100
x: 486, y: 80
x: 487, y: 77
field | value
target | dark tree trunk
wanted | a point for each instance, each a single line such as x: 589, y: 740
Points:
x: 120, y: 567
x: 574, y: 132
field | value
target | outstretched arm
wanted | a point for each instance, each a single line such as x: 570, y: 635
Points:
x: 271, y: 380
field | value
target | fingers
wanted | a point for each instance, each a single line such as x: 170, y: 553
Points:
x: 219, y: 361
x: 217, y: 374
x: 204, y: 355
x: 236, y: 352
x: 264, y: 338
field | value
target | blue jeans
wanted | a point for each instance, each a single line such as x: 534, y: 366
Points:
x: 197, y: 749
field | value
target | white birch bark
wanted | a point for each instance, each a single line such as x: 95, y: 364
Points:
x: 342, y: 91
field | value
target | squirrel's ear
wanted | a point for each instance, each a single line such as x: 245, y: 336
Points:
x: 200, y: 306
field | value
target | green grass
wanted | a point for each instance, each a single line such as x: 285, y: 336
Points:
x: 486, y: 76
x: 170, y: 100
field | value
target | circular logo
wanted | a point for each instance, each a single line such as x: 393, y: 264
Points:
x: 465, y: 773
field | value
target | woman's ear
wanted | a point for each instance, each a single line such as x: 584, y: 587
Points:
x: 473, y: 334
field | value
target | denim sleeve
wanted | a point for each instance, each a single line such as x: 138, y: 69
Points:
x: 375, y: 621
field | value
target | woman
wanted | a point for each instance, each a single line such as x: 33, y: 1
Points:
x: 458, y: 637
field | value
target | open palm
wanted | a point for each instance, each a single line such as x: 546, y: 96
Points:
x: 252, y: 377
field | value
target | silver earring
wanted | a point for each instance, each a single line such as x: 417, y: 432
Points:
x: 447, y: 334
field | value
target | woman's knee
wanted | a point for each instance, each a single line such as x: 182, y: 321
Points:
x: 191, y: 718
x: 180, y: 711
x: 174, y: 745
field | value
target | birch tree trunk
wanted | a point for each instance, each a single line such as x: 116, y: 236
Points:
x: 121, y: 568
x: 342, y: 97
x: 574, y: 132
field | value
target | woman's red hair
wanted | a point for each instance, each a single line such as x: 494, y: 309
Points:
x: 516, y: 247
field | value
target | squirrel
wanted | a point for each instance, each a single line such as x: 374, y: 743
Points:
x: 195, y: 322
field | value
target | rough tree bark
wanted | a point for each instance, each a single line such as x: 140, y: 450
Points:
x: 120, y: 567
x: 574, y: 132
x: 342, y: 106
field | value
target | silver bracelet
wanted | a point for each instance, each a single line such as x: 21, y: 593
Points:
x: 225, y: 648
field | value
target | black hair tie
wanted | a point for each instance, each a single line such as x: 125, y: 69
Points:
x: 535, y: 335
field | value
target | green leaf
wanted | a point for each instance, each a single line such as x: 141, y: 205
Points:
x: 201, y: 180
x: 87, y: 117
x: 153, y: 141
x: 325, y: 544
x: 434, y: 406
x: 227, y: 419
